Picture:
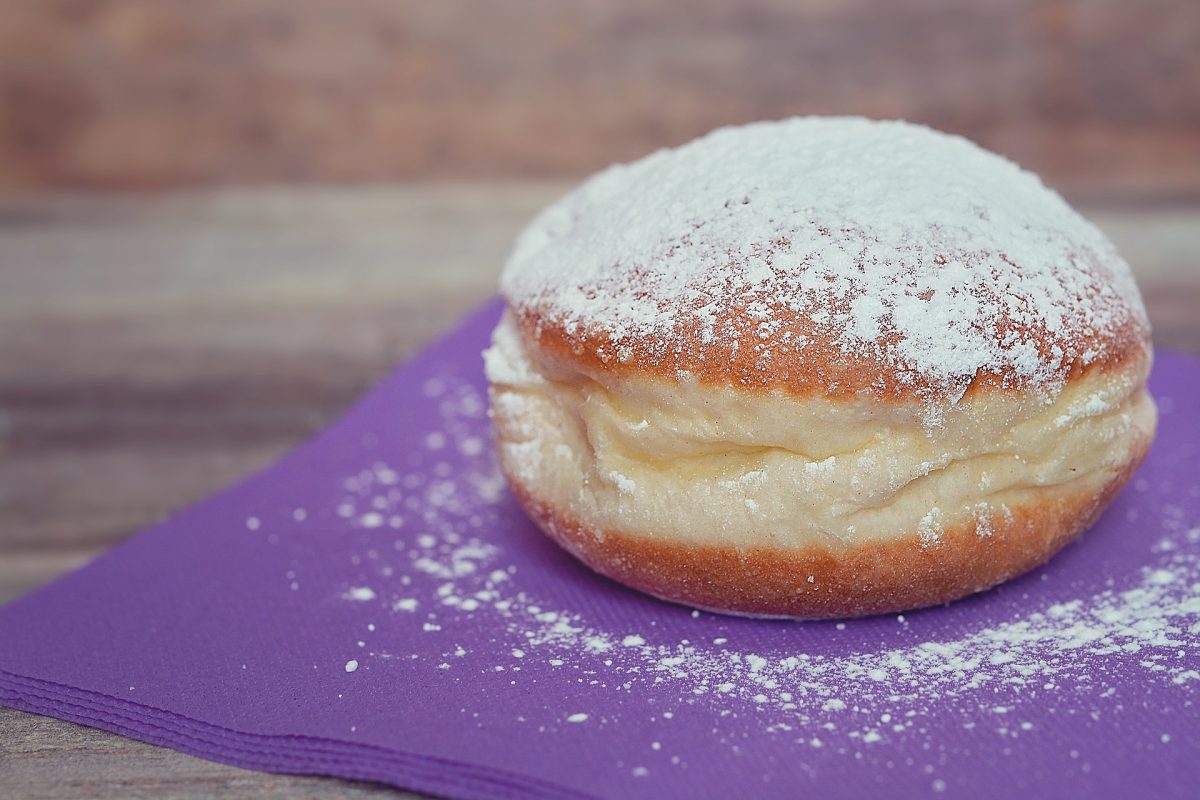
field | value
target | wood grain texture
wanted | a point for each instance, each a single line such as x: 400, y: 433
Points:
x: 1101, y: 96
x: 154, y: 348
x: 47, y: 759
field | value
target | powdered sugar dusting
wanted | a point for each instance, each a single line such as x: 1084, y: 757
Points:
x: 445, y: 573
x: 930, y: 528
x: 896, y: 245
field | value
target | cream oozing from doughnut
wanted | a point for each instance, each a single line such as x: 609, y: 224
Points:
x: 708, y: 465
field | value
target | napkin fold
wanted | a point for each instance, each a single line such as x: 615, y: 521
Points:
x: 376, y: 606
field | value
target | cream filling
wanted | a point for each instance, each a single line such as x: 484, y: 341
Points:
x: 714, y: 465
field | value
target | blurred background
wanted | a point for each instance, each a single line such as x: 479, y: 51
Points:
x: 1100, y: 96
x: 221, y: 220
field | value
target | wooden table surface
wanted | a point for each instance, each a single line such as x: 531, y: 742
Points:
x: 154, y: 348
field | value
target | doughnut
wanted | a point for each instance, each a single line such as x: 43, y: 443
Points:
x: 817, y: 368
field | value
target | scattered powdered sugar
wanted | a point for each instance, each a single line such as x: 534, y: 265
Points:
x: 1045, y: 650
x: 439, y: 570
x: 1091, y: 406
x: 624, y: 484
x: 821, y: 467
x: 904, y: 247
x: 930, y: 528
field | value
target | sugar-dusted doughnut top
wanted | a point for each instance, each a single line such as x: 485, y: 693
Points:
x: 825, y: 256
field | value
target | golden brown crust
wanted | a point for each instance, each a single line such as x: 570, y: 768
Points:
x: 821, y: 368
x: 815, y: 583
x: 824, y: 256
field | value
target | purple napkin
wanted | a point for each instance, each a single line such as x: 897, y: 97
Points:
x: 376, y: 606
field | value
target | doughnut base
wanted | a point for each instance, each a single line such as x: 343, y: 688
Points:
x: 816, y: 583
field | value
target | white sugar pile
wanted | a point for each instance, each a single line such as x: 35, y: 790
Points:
x: 443, y: 569
x: 900, y: 244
